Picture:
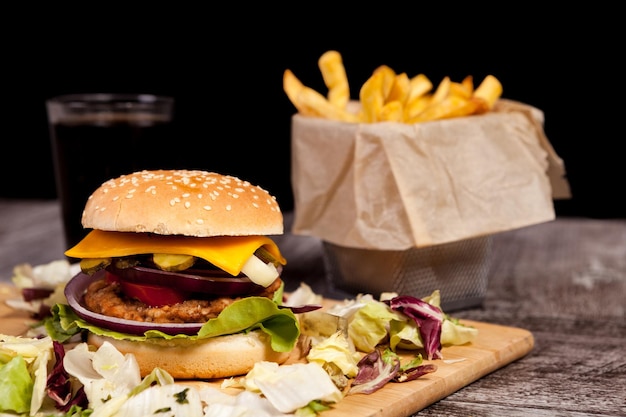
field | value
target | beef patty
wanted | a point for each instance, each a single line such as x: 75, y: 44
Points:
x: 107, y: 298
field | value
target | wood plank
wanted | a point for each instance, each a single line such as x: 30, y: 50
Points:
x: 495, y: 347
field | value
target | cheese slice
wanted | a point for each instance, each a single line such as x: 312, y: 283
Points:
x: 229, y: 253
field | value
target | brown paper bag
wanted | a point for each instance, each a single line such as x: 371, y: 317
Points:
x: 394, y: 186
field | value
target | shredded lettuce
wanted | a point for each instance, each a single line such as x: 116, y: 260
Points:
x: 405, y: 335
x: 455, y: 333
x: 370, y: 325
x: 375, y: 370
x: 428, y: 317
x: 163, y: 400
x: 293, y: 386
x: 23, y: 372
x: 51, y: 277
x: 335, y: 349
x: 16, y: 385
x: 105, y: 373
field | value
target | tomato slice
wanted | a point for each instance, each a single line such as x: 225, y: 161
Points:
x: 152, y: 295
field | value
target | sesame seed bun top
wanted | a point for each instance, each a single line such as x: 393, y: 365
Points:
x: 183, y: 202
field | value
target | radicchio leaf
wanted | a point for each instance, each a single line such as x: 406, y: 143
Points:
x: 374, y: 373
x: 59, y: 385
x: 305, y: 308
x: 413, y: 373
x: 428, y: 318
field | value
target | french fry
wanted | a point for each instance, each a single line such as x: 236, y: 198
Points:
x: 463, y: 89
x: 372, y: 97
x: 442, y: 91
x: 316, y: 103
x: 335, y: 78
x: 489, y: 90
x: 392, y: 111
x: 416, y: 106
x: 468, y: 82
x: 420, y: 85
x: 451, y: 106
x: 400, y: 88
x: 388, y: 76
x: 387, y: 96
x: 418, y: 98
x: 311, y: 103
x: 292, y: 87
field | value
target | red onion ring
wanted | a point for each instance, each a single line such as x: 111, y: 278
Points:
x: 215, y: 282
x: 75, y: 291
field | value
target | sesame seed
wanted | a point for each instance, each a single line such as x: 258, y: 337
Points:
x: 187, y: 204
x: 186, y: 195
x: 207, y: 208
x: 229, y: 207
x: 200, y: 221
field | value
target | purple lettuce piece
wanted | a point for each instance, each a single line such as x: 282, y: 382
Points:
x: 428, y: 318
x: 79, y: 399
x: 374, y: 372
x: 59, y: 384
x: 413, y: 373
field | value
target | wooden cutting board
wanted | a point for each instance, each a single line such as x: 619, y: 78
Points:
x: 495, y: 347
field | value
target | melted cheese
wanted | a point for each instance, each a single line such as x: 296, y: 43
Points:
x: 229, y: 253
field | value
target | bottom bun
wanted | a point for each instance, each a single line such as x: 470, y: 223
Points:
x: 217, y: 357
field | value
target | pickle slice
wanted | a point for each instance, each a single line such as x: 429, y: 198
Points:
x: 126, y: 262
x: 169, y: 262
x: 92, y: 265
x: 266, y: 256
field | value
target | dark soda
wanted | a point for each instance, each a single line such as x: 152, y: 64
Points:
x: 90, y: 150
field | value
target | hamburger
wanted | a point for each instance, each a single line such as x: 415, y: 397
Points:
x: 180, y: 270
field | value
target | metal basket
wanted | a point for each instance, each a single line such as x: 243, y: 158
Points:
x: 458, y: 269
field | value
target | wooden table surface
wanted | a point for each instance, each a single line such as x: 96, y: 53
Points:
x: 565, y: 281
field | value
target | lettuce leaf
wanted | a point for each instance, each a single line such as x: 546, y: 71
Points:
x: 428, y: 317
x: 244, y: 315
x: 250, y: 313
x: 16, y: 386
x: 370, y: 325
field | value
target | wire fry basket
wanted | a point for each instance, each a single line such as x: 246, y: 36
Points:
x: 458, y: 269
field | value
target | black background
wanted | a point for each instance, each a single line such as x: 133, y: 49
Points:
x: 224, y: 68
